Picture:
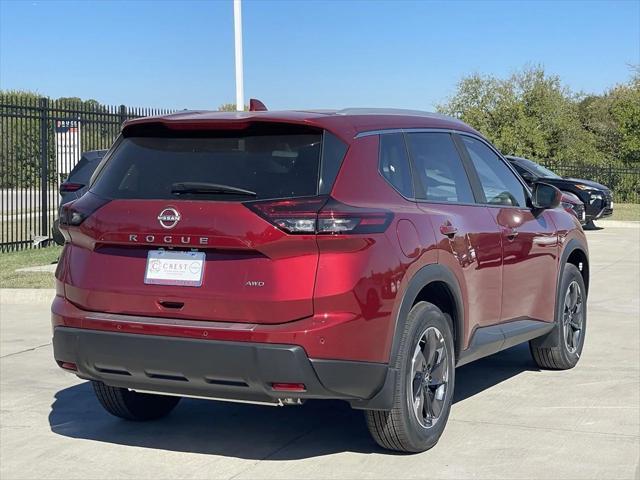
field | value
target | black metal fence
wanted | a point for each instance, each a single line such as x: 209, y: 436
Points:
x: 40, y: 142
x: 624, y: 182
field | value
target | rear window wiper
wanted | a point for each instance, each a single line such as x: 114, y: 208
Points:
x: 205, y: 188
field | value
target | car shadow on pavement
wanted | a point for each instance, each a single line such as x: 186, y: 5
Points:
x: 257, y: 432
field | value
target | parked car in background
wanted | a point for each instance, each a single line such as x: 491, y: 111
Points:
x: 274, y: 257
x: 76, y: 185
x: 597, y: 198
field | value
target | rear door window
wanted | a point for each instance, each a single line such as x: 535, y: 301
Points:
x: 439, y: 168
x: 283, y: 164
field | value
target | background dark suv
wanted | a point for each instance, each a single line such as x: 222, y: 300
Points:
x: 597, y: 199
x: 76, y: 184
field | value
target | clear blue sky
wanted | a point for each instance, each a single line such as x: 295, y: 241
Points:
x: 179, y: 54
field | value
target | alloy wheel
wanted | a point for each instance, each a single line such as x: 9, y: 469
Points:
x: 429, y: 377
x: 573, y: 316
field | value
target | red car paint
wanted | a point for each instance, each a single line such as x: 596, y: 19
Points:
x: 337, y: 295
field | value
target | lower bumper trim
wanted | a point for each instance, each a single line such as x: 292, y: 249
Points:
x: 235, y: 371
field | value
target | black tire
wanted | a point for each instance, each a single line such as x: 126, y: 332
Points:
x: 56, y: 233
x: 130, y: 405
x: 560, y: 349
x: 590, y: 225
x: 399, y: 428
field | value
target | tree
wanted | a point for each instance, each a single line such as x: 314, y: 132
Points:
x: 529, y: 114
x: 230, y: 107
x: 614, y: 119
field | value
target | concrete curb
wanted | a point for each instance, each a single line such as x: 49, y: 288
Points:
x: 618, y: 223
x: 26, y: 296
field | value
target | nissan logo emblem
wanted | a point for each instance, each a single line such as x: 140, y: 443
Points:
x: 169, y: 217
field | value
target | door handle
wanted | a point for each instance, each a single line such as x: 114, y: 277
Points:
x: 448, y: 230
x: 511, y: 233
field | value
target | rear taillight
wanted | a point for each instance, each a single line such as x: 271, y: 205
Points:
x: 336, y: 217
x: 321, y: 215
x: 293, y: 216
x: 76, y: 212
x: 67, y: 187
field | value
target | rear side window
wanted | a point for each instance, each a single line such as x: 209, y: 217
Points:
x: 333, y: 151
x: 439, y: 168
x: 499, y: 184
x: 82, y: 171
x: 272, y: 165
x: 394, y: 163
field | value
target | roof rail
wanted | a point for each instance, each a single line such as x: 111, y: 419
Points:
x: 395, y: 111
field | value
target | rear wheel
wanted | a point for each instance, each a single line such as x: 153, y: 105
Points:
x: 130, y: 405
x: 424, y: 387
x: 561, y: 348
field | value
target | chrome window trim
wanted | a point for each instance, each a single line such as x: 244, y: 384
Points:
x: 383, y: 131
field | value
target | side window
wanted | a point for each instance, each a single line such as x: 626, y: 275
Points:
x: 499, y: 183
x: 394, y: 163
x: 439, y: 168
x: 333, y: 150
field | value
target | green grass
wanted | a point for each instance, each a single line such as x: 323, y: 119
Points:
x: 626, y: 211
x: 11, y: 261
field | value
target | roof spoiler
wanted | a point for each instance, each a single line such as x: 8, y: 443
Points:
x: 256, y: 105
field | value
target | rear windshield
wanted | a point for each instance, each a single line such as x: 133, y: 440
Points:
x: 280, y: 165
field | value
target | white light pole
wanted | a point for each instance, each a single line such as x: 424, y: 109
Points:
x: 237, y: 27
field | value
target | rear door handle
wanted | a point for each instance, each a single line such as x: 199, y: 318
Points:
x: 448, y: 230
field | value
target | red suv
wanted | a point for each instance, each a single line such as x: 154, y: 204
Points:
x: 275, y: 257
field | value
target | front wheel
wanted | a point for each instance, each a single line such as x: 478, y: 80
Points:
x: 424, y: 386
x: 561, y: 348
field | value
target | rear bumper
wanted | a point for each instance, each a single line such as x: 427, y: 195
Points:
x: 331, y: 336
x: 236, y: 371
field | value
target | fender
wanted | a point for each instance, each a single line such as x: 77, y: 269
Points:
x: 570, y: 247
x: 434, y: 272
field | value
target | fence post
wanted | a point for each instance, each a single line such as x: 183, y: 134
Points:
x: 123, y: 114
x: 44, y: 166
x: 610, y: 182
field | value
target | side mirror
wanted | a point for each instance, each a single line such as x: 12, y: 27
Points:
x: 545, y: 196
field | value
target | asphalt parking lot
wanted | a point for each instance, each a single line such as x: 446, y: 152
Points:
x: 509, y: 420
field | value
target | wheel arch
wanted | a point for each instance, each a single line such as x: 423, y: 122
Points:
x: 574, y: 253
x: 436, y: 284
